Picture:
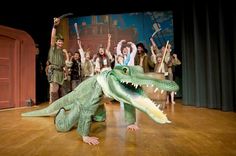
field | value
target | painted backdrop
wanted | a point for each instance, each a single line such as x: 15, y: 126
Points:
x: 135, y: 27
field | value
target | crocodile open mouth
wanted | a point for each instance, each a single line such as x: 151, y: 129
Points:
x: 137, y: 98
x: 137, y: 88
x: 132, y: 87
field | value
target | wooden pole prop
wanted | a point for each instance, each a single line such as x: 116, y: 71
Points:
x: 76, y: 30
x: 163, y: 57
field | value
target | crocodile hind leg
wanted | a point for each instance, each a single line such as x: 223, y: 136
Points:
x: 64, y: 121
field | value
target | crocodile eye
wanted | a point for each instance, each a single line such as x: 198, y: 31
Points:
x: 125, y: 70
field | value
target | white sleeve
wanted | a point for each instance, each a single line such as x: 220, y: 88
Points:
x: 118, y: 48
x: 132, y: 55
x: 82, y: 57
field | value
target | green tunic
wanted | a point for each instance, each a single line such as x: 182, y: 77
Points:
x: 57, y: 62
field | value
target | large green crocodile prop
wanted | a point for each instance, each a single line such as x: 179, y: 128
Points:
x: 123, y: 83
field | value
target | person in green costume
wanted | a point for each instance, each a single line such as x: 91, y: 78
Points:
x: 56, y: 60
x: 84, y: 104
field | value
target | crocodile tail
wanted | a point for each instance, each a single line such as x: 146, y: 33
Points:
x: 65, y: 101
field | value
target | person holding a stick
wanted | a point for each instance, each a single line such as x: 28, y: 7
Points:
x: 171, y: 60
x: 56, y: 62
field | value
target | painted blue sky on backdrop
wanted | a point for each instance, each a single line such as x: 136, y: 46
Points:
x: 143, y: 22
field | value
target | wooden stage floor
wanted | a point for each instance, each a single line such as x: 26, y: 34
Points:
x: 193, y: 131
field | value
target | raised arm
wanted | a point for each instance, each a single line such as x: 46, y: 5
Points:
x: 108, y: 43
x: 153, y: 42
x: 81, y: 51
x: 176, y: 61
x: 134, y: 49
x: 108, y: 53
x: 167, y: 56
x: 118, y: 48
x: 133, y: 53
x: 152, y: 50
x: 79, y: 43
x: 54, y: 31
x: 153, y: 57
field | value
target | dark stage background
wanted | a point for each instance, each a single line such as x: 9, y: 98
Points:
x: 204, y: 38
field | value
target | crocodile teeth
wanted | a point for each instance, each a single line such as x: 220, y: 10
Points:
x: 162, y: 91
x: 152, y: 85
x: 147, y: 85
x: 155, y: 90
x: 175, y: 93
